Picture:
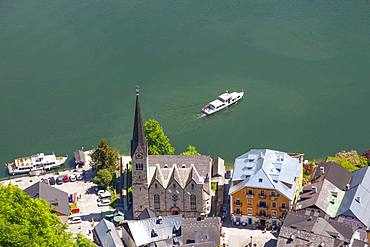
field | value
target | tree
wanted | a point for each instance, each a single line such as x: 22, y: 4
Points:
x: 190, y: 150
x: 82, y: 241
x: 103, y: 178
x: 158, y: 142
x: 25, y: 221
x: 104, y: 156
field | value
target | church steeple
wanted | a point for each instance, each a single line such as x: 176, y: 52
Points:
x: 138, y: 138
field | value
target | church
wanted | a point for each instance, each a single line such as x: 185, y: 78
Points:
x: 168, y: 184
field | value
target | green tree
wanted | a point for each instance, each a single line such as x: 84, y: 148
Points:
x: 158, y: 142
x: 350, y: 160
x: 82, y: 241
x: 29, y: 222
x: 190, y: 150
x: 104, y: 156
x: 103, y: 178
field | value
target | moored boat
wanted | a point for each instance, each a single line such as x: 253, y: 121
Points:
x: 223, y: 101
x: 37, y: 162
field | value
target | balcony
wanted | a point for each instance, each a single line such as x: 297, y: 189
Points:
x: 263, y: 216
x: 262, y: 196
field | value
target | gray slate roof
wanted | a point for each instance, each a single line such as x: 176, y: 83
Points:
x: 356, y: 201
x: 205, y: 231
x: 79, y: 157
x: 324, y: 195
x: 333, y: 172
x: 301, y: 230
x: 107, y: 235
x: 54, y: 196
x: 268, y: 169
x: 141, y: 230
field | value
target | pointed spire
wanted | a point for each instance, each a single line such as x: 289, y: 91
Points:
x: 138, y: 138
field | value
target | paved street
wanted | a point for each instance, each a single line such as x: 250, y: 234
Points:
x: 234, y: 237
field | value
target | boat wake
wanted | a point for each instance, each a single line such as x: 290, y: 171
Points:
x: 200, y: 115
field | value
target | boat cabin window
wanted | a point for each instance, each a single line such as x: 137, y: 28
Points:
x: 221, y: 99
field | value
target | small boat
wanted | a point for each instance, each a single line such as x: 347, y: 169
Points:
x: 223, y: 101
x: 34, y: 163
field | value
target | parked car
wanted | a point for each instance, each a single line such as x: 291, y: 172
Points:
x: 52, y: 181
x: 75, y: 220
x: 45, y: 180
x: 104, y: 202
x: 79, y: 177
x: 65, y: 178
x: 100, y: 192
x: 72, y: 178
x: 60, y: 180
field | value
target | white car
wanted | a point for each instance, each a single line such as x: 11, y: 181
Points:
x: 75, y: 220
x: 72, y: 178
x: 104, y: 202
x: 100, y: 192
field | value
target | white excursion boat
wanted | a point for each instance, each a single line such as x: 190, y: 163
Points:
x: 37, y: 162
x: 223, y: 101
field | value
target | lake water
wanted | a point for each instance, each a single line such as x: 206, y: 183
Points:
x: 68, y: 71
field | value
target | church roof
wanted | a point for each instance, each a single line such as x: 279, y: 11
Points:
x: 138, y: 137
x: 182, y: 175
x: 202, y: 163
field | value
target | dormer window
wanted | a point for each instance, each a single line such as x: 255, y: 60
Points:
x: 260, y: 180
x: 165, y: 166
x: 358, y: 199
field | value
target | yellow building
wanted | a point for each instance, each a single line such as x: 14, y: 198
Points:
x: 264, y: 186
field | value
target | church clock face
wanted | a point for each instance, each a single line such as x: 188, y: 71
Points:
x: 139, y: 155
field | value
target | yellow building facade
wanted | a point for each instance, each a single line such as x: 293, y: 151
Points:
x: 263, y: 188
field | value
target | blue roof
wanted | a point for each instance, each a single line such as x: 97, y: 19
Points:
x: 267, y: 169
x: 356, y: 201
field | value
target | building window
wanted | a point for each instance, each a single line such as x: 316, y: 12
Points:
x: 156, y: 201
x: 272, y: 193
x: 283, y: 214
x: 174, y: 185
x: 273, y: 214
x: 237, y: 202
x: 274, y: 204
x: 238, y: 211
x: 139, y: 166
x: 155, y: 185
x: 262, y: 193
x: 250, y: 192
x: 262, y: 204
x: 283, y: 205
x: 250, y: 211
x: 193, y: 202
x: 250, y: 201
x: 192, y: 186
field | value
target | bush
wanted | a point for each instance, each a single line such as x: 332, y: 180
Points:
x: 351, y: 160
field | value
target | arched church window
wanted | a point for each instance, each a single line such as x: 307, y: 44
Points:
x: 156, y: 201
x: 193, y: 202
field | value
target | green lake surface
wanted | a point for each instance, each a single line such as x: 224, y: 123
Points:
x: 68, y: 71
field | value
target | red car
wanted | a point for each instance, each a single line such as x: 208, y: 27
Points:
x: 65, y: 178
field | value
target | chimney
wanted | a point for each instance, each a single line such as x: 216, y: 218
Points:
x: 314, y: 188
x: 322, y: 169
x: 159, y: 220
x: 347, y: 186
